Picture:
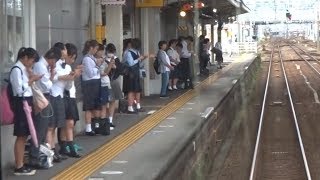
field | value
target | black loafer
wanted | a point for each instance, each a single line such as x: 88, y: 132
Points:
x: 91, y: 133
x: 131, y: 112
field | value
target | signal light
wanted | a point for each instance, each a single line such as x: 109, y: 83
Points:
x: 288, y: 15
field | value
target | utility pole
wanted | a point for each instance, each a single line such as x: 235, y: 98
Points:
x: 317, y: 24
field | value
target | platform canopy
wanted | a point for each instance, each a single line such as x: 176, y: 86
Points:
x: 225, y: 8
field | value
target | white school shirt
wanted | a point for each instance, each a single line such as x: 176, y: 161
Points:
x: 59, y: 86
x: 90, y: 68
x: 72, y: 90
x: 164, y: 60
x: 185, y: 53
x: 42, y: 68
x: 20, y: 84
x: 105, y: 80
x: 174, y: 56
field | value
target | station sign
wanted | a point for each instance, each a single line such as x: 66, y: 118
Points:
x: 149, y: 3
x: 112, y: 2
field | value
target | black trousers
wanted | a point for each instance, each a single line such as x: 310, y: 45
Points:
x: 186, y: 71
x: 41, y: 121
x: 204, y: 62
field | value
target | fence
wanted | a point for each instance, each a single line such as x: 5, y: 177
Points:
x: 245, y: 47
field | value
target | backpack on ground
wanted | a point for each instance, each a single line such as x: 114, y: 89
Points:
x: 7, y: 101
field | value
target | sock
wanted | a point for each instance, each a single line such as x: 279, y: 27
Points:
x: 174, y: 87
x: 138, y: 106
x: 88, y: 128
x: 130, y: 108
x: 110, y: 119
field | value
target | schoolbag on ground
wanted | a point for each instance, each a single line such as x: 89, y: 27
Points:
x: 156, y: 65
x: 7, y: 101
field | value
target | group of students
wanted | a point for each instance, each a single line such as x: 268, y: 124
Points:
x: 54, y: 76
x: 174, y: 58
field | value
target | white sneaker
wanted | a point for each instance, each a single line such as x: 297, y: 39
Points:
x: 111, y: 128
x: 170, y: 88
x: 175, y: 87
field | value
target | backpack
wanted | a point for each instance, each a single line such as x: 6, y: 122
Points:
x: 156, y: 65
x: 7, y: 101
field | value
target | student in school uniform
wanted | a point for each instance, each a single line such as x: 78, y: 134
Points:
x: 132, y: 85
x: 174, y: 60
x: 72, y: 114
x: 115, y: 91
x: 91, y: 83
x: 45, y: 67
x: 104, y: 91
x: 61, y: 81
x: 21, y: 79
x: 164, y: 68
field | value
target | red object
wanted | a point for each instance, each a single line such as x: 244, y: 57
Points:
x: 28, y: 110
x: 199, y: 5
x: 186, y: 7
x: 6, y: 114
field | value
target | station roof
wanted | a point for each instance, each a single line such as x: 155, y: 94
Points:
x: 225, y: 8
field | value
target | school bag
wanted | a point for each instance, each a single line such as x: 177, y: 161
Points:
x: 156, y: 65
x: 7, y: 101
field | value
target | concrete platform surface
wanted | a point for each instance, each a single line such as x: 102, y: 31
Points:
x: 89, y: 144
x: 147, y: 157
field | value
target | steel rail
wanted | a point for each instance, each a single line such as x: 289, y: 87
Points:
x: 295, y: 119
x: 305, y: 58
x: 254, y: 160
x: 307, y: 53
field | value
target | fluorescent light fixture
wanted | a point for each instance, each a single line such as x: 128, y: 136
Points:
x: 183, y: 13
x: 214, y: 10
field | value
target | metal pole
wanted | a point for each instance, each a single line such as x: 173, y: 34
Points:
x: 49, y: 31
x: 317, y: 29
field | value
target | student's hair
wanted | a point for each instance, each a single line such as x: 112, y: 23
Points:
x: 100, y: 47
x: 104, y: 41
x: 181, y: 38
x: 136, y: 43
x: 172, y: 41
x: 161, y: 43
x: 53, y: 53
x: 111, y: 48
x: 179, y: 45
x: 71, y: 49
x: 201, y: 37
x: 126, y: 43
x: 29, y: 52
x: 206, y: 40
x: 59, y: 45
x: 89, y: 44
x: 190, y: 38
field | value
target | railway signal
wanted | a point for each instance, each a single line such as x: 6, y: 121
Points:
x: 288, y: 15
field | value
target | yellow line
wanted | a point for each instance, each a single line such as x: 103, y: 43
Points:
x: 93, y: 161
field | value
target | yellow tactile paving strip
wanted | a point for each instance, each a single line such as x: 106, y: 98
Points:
x: 93, y: 161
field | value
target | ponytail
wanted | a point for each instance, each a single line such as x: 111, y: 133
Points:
x: 88, y: 45
x: 29, y: 52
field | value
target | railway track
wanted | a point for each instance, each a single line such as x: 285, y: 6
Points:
x: 279, y: 149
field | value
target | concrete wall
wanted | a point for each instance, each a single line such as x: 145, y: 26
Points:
x: 190, y: 163
x: 69, y: 22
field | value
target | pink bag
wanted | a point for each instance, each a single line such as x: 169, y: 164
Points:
x: 6, y: 114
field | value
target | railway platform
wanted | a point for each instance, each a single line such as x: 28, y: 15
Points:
x: 143, y: 146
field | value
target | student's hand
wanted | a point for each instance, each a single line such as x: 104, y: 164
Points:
x: 77, y: 72
x: 152, y: 56
x: 141, y: 58
x: 79, y: 66
x: 34, y: 78
x: 99, y: 61
x: 171, y: 68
